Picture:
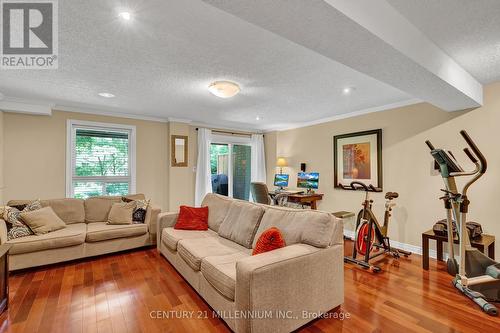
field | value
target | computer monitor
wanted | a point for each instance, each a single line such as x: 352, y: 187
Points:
x: 309, y: 180
x: 281, y: 180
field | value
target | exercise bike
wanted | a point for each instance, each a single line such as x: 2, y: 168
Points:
x: 370, y: 239
x: 476, y: 276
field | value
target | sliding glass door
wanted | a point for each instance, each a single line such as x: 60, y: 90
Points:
x: 230, y: 169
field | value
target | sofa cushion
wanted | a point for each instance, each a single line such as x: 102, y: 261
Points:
x: 97, y: 208
x: 269, y: 240
x: 16, y: 227
x: 121, y: 213
x: 192, y: 218
x: 299, y: 226
x: 241, y: 222
x: 43, y: 220
x: 170, y: 236
x: 220, y: 272
x: 194, y: 250
x: 133, y: 197
x: 101, y: 231
x: 73, y: 234
x: 218, y: 206
x: 68, y: 209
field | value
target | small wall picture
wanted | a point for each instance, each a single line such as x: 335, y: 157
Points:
x: 358, y: 157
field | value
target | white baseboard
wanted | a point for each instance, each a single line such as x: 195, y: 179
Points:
x: 407, y: 247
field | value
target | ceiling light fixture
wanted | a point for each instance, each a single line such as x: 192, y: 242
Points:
x: 106, y: 95
x: 224, y: 89
x: 257, y: 118
x: 348, y: 90
x: 125, y: 15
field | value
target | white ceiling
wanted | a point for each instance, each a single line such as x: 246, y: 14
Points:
x: 160, y: 64
x: 468, y: 30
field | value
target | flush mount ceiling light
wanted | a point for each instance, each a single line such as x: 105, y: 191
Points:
x: 125, y: 16
x: 106, y: 95
x: 348, y: 90
x: 224, y: 89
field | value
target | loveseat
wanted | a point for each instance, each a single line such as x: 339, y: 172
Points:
x: 276, y: 291
x: 86, y: 233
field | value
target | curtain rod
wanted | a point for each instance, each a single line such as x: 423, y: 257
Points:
x: 231, y: 132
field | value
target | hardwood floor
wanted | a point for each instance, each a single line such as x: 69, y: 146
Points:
x: 116, y: 293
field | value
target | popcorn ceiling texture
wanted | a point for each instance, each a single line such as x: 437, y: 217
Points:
x: 161, y: 62
x: 467, y: 30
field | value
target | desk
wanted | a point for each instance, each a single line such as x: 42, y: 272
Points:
x: 480, y: 243
x: 306, y: 199
x: 310, y: 199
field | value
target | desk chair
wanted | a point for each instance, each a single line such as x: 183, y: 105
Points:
x: 260, y: 194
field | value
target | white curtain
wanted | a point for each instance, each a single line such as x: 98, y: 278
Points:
x: 258, y: 169
x: 203, y: 175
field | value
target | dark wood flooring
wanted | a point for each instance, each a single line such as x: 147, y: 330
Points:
x: 116, y: 293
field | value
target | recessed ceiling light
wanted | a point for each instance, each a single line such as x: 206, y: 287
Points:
x: 106, y: 95
x: 224, y: 89
x: 348, y: 90
x: 125, y: 15
x: 257, y: 118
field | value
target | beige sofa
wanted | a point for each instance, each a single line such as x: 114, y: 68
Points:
x: 85, y: 235
x: 276, y: 291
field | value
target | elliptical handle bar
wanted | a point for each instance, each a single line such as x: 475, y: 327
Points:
x: 429, y: 144
x: 482, y: 160
x: 470, y: 155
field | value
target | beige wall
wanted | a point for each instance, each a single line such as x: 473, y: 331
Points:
x: 182, y: 179
x: 271, y: 154
x: 35, y: 155
x: 1, y: 157
x: 406, y: 162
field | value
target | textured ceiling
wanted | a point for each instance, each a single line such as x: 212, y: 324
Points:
x: 468, y: 30
x: 160, y: 64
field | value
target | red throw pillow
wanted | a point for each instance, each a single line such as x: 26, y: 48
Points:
x: 192, y: 218
x: 269, y: 240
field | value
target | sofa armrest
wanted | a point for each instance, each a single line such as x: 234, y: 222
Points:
x: 165, y: 220
x: 3, y: 231
x: 151, y: 217
x: 292, y: 284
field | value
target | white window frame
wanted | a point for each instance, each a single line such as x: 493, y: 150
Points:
x: 71, y: 126
x: 230, y: 141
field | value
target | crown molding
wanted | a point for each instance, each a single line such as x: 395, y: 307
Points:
x: 179, y: 120
x: 346, y: 115
x: 19, y: 105
x: 106, y: 113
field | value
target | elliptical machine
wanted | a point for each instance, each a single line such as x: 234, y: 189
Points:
x: 371, y: 238
x: 477, y: 276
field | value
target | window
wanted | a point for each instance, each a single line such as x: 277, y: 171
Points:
x: 100, y: 159
x: 230, y: 163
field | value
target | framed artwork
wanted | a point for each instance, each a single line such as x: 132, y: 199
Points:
x: 358, y: 156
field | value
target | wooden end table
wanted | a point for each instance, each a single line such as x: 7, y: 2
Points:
x: 480, y: 243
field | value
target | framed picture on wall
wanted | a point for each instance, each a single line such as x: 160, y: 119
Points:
x: 358, y: 157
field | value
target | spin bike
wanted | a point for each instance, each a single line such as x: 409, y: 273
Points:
x: 476, y: 276
x: 370, y: 236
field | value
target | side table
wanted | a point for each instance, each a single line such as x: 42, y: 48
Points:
x: 480, y: 243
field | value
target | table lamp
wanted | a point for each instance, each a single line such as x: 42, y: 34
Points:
x: 281, y: 163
